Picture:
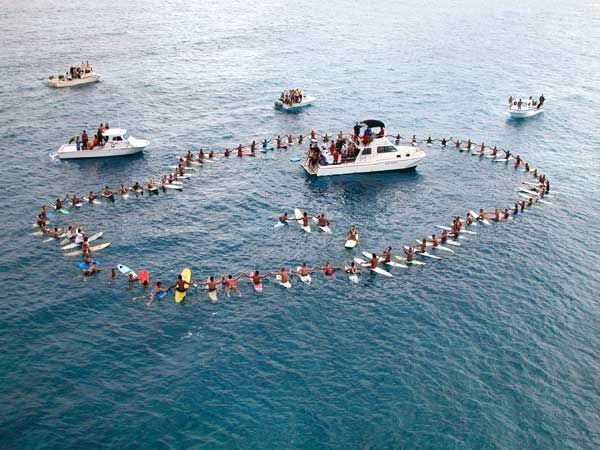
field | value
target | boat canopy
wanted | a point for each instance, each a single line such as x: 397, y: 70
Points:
x: 374, y: 123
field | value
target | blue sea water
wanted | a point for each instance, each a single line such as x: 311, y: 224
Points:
x: 495, y: 346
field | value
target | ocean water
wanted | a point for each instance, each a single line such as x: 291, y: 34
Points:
x: 495, y: 346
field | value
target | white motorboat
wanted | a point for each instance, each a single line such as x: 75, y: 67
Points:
x: 291, y: 105
x: 82, y: 74
x: 371, y: 154
x: 117, y: 142
x: 520, y: 109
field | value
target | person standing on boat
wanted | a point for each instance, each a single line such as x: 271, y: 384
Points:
x: 519, y: 103
x: 510, y: 99
x: 356, y: 131
x: 541, y: 101
x: 84, y: 140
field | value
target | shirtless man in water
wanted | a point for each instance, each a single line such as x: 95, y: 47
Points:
x: 180, y: 285
x: 387, y: 255
x: 230, y: 284
x: 322, y: 221
x: 328, y: 270
x: 284, y: 218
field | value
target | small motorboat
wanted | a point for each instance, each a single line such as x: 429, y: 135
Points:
x: 76, y: 76
x: 371, y: 152
x: 293, y: 100
x: 117, y: 142
x: 521, y: 109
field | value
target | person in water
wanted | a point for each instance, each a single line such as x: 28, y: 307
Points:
x: 284, y: 218
x: 328, y: 270
x: 180, y: 285
x: 305, y: 219
x: 322, y: 220
x: 410, y: 253
x: 304, y: 270
x: 352, y: 234
x: 351, y: 269
x: 92, y: 269
x: 387, y: 255
x: 256, y: 279
x: 107, y: 192
x: 231, y: 285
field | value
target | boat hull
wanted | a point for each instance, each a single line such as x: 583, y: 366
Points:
x: 524, y: 113
x: 55, y: 82
x: 307, y: 101
x: 399, y: 165
x: 67, y: 152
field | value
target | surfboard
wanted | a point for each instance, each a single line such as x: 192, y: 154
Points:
x: 92, y: 249
x: 439, y: 247
x: 378, y: 270
x: 298, y: 216
x: 413, y: 262
x: 212, y: 295
x: 186, y: 275
x: 92, y: 238
x: 351, y: 276
x: 286, y: 285
x: 126, y: 270
x: 350, y: 243
x: 381, y: 259
x: 475, y: 218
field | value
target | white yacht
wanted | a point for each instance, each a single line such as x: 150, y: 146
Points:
x: 372, y: 152
x: 117, y: 142
x: 520, y: 109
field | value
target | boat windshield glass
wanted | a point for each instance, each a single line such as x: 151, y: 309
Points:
x: 386, y: 149
x: 366, y: 151
x: 126, y: 136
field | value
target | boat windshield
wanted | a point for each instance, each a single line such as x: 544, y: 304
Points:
x: 126, y: 136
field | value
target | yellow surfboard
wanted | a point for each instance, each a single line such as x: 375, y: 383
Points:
x: 186, y: 274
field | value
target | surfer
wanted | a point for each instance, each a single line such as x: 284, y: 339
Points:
x: 107, y: 192
x: 351, y: 269
x: 284, y: 218
x: 284, y: 276
x: 256, y: 280
x: 305, y: 219
x: 387, y: 255
x: 323, y: 222
x: 372, y: 264
x: 304, y: 270
x: 58, y: 205
x: 240, y: 152
x: 410, y: 253
x: 352, y: 234
x: 180, y: 285
x: 423, y: 245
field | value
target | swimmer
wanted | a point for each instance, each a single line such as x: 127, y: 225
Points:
x: 211, y: 285
x: 444, y: 142
x: 226, y: 153
x: 58, y: 204
x: 506, y: 214
x: 284, y: 218
x: 107, y: 192
x: 328, y: 270
x: 444, y: 236
x: 497, y: 214
x: 137, y: 187
x: 211, y: 154
x: 231, y: 285
x: 240, y: 152
x: 92, y: 269
x: 481, y: 215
